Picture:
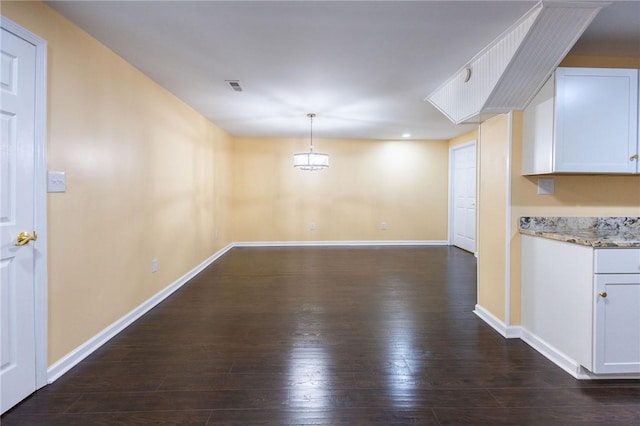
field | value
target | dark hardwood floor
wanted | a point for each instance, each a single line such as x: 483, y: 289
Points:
x: 324, y: 336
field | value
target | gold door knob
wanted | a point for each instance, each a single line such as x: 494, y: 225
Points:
x: 603, y: 294
x: 635, y: 157
x: 25, y: 237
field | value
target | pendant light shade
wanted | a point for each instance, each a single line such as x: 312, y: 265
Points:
x: 310, y: 160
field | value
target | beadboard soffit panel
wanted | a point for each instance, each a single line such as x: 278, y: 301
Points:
x: 506, y: 74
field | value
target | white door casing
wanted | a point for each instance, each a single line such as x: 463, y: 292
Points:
x: 462, y: 194
x: 23, y: 283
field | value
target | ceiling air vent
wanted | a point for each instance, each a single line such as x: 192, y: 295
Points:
x: 235, y: 85
x: 510, y: 71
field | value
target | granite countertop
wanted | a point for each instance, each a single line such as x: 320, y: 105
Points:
x: 586, y: 231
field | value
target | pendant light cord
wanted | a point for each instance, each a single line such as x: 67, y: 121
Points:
x: 311, y: 131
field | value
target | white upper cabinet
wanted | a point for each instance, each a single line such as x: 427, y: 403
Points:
x: 583, y: 120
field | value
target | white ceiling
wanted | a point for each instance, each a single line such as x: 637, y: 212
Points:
x: 364, y: 67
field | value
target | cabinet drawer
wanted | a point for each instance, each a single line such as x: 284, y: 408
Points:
x: 617, y: 261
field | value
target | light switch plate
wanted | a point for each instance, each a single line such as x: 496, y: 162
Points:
x: 56, y: 182
x: 546, y: 186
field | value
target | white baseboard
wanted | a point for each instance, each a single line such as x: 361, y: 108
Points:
x: 81, y: 352
x: 564, y: 362
x: 548, y: 351
x: 584, y: 374
x: 551, y: 353
x: 341, y: 243
x: 508, y: 332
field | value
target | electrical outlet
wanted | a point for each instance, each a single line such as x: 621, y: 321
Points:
x: 546, y: 186
x: 312, y: 226
x: 154, y: 265
x: 216, y: 234
x: 383, y: 226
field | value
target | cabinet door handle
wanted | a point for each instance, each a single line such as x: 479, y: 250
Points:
x: 603, y: 294
x: 634, y: 157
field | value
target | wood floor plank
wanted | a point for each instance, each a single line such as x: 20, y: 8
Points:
x: 552, y: 416
x: 331, y: 417
x: 173, y: 418
x: 105, y: 402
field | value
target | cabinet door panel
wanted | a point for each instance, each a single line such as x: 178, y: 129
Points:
x: 617, y: 323
x: 596, y: 120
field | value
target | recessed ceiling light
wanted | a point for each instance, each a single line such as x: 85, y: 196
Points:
x: 406, y: 135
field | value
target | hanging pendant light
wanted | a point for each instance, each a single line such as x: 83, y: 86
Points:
x: 310, y: 160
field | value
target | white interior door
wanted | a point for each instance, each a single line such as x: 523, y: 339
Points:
x: 463, y: 172
x: 17, y: 285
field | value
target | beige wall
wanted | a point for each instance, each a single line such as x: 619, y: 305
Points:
x: 515, y: 294
x: 402, y: 183
x: 493, y: 164
x: 464, y: 138
x: 147, y: 177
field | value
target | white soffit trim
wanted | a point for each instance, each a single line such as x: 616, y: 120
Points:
x: 508, y: 73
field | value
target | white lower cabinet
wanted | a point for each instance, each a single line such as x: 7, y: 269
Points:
x: 581, y: 305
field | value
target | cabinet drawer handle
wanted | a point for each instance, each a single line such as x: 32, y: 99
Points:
x: 603, y: 294
x: 635, y: 157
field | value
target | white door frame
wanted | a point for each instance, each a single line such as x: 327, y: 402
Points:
x: 452, y: 150
x: 40, y: 196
